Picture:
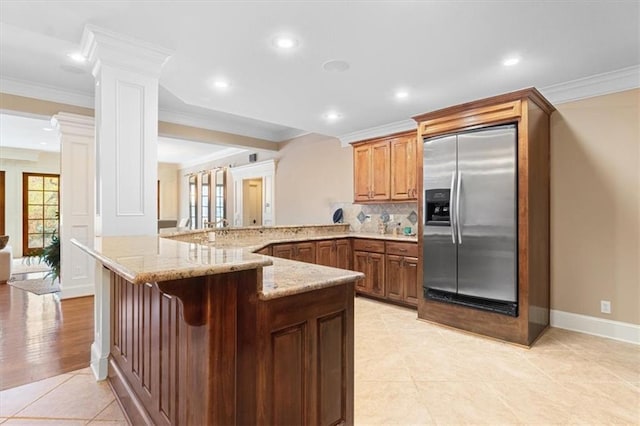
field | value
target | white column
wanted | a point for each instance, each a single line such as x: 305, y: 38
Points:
x: 126, y: 72
x: 126, y: 112
x: 77, y: 201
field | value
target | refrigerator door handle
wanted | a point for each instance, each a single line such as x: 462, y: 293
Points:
x: 459, y: 185
x: 453, y: 182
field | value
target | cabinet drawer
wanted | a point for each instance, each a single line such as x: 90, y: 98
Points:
x: 368, y: 245
x: 402, y: 249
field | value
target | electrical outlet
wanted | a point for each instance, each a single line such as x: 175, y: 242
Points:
x: 605, y: 306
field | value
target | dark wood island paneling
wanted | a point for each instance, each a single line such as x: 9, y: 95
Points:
x: 209, y: 351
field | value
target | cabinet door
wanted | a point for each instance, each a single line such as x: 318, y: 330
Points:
x: 410, y: 280
x: 380, y: 171
x: 305, y: 252
x: 325, y: 253
x: 343, y: 254
x: 284, y: 251
x: 265, y: 250
x: 404, y: 168
x: 376, y: 265
x: 362, y: 173
x: 395, y: 281
x: 361, y: 264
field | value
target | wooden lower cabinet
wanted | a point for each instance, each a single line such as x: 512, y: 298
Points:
x: 402, y: 279
x: 372, y: 265
x: 303, y: 252
x: 334, y: 253
x: 264, y: 250
x: 207, y: 351
x: 307, y: 357
x: 390, y: 268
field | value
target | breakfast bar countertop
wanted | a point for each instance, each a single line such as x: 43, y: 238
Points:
x: 142, y: 259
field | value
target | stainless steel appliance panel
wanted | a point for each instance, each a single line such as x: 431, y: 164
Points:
x: 486, y: 213
x: 439, y: 249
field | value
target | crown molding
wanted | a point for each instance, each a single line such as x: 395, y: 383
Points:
x: 104, y: 47
x: 373, y: 132
x: 224, y: 153
x: 46, y: 93
x: 74, y: 124
x: 211, y: 123
x: 595, y: 85
x: 582, y: 88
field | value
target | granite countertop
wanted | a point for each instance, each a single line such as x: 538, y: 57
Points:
x: 142, y: 259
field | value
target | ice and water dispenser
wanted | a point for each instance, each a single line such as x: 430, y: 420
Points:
x: 437, y: 207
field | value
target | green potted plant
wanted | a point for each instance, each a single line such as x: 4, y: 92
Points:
x: 51, y: 256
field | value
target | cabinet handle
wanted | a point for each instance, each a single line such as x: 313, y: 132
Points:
x: 402, y: 250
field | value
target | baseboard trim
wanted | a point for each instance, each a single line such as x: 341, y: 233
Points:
x: 80, y: 291
x: 617, y: 330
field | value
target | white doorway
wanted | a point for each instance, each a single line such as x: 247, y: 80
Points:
x: 252, y: 202
x: 263, y: 177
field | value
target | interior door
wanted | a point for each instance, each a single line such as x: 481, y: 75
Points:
x: 439, y: 247
x: 252, y: 203
x: 486, y: 213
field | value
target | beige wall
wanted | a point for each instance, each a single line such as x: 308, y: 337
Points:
x: 595, y: 206
x: 313, y: 171
x: 14, y: 162
x: 168, y: 177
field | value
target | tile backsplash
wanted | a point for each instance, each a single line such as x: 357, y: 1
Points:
x: 366, y: 217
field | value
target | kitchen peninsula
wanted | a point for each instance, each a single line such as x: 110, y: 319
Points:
x: 211, y: 333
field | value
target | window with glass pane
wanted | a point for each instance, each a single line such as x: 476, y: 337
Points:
x: 204, y: 198
x: 219, y: 198
x: 40, y: 193
x: 193, y: 200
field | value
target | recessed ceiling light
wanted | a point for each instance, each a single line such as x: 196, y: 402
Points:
x: 77, y: 57
x: 332, y: 116
x: 335, y: 65
x: 221, y: 84
x: 509, y: 62
x: 285, y: 42
x: 43, y: 143
x: 402, y: 94
x: 47, y: 129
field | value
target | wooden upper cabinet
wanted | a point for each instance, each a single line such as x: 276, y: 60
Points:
x: 385, y: 169
x: 380, y: 171
x: 404, y: 168
x: 372, y: 171
x: 362, y: 172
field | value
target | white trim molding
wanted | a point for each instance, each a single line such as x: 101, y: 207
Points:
x: 46, y: 93
x: 595, y: 85
x: 623, y: 331
x: 374, y: 132
x: 265, y: 170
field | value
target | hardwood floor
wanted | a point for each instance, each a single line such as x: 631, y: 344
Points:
x: 41, y: 336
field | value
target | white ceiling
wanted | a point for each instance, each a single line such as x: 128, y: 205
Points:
x: 441, y: 52
x: 29, y: 133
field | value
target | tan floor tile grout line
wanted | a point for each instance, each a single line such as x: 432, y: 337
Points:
x: 101, y: 411
x: 43, y: 395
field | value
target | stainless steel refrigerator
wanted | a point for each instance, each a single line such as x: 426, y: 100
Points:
x: 470, y: 219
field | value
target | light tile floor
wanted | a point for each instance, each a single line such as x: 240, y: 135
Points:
x: 409, y: 372
x: 65, y: 400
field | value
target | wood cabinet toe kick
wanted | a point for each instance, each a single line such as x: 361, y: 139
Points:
x: 208, y: 351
